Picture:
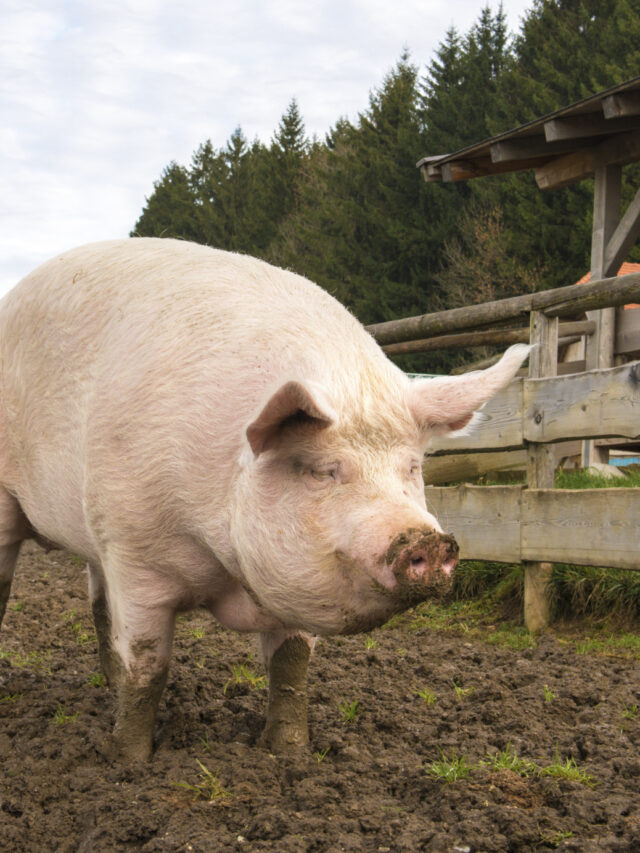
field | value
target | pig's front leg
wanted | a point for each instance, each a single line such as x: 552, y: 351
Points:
x: 286, y: 657
x: 139, y: 649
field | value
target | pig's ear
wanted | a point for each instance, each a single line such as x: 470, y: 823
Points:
x: 447, y: 403
x: 292, y: 403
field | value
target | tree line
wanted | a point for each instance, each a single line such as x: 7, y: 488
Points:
x: 352, y: 212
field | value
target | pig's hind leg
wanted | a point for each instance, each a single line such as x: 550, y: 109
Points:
x: 286, y: 657
x: 14, y: 528
x: 102, y: 622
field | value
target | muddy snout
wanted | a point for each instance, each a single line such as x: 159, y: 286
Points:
x: 423, y: 557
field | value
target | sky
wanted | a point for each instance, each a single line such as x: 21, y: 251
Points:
x: 98, y: 96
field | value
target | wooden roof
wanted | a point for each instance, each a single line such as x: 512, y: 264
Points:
x: 563, y: 146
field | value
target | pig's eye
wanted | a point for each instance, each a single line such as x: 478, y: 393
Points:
x: 416, y: 469
x: 323, y: 475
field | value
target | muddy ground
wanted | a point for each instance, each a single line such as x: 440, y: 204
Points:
x: 366, y: 787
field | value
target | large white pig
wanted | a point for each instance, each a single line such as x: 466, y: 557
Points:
x: 208, y: 430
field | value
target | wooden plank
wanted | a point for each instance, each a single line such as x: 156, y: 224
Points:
x: 592, y: 124
x: 460, y: 467
x: 598, y: 403
x: 527, y: 148
x: 622, y: 104
x: 541, y: 466
x: 625, y: 235
x: 485, y: 520
x: 620, y: 150
x: 559, y: 302
x: 590, y: 527
x: 483, y: 338
x: 627, y: 331
x: 498, y: 425
x: 599, y: 348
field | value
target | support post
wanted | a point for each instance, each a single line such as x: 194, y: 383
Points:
x: 543, y: 361
x: 599, y: 347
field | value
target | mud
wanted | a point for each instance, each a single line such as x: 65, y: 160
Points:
x: 366, y: 788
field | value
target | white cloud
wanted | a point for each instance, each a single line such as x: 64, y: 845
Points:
x: 98, y: 97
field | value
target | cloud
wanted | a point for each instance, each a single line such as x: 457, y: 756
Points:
x: 101, y: 96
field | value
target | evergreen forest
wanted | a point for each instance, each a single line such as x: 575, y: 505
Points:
x: 352, y: 211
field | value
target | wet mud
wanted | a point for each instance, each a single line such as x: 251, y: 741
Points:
x: 361, y: 785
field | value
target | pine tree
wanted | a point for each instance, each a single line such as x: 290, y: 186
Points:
x: 170, y: 211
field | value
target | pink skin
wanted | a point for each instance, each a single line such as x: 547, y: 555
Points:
x: 207, y: 430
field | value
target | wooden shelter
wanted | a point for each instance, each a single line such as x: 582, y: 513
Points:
x: 594, y: 137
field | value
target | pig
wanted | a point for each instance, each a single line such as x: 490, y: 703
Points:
x: 207, y: 430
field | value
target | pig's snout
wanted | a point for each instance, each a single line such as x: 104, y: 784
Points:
x: 422, y: 557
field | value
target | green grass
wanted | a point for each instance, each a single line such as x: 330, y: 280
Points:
x: 449, y: 769
x: 321, y: 755
x: 350, y: 711
x: 508, y: 759
x: 429, y: 696
x: 208, y: 787
x: 61, y: 718
x: 625, y: 645
x: 454, y: 767
x: 567, y: 769
x: 242, y: 673
x: 31, y: 660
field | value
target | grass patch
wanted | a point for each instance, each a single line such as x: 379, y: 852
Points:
x: 243, y: 674
x: 508, y: 759
x: 567, y: 769
x: 61, y: 718
x: 32, y: 660
x: 209, y: 787
x: 449, y: 769
x: 626, y: 645
x: 350, y: 711
x: 428, y: 696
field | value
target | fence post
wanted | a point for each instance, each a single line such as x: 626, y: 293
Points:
x: 599, y: 346
x: 541, y: 464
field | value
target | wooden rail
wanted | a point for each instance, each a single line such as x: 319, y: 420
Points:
x: 511, y: 524
x: 560, y: 302
x: 593, y: 404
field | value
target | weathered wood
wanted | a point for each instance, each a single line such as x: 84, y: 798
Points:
x: 592, y: 124
x: 619, y: 150
x: 624, y: 236
x: 598, y: 403
x: 627, y: 331
x: 541, y: 466
x: 527, y: 148
x: 499, y: 425
x: 461, y: 467
x: 599, y: 348
x: 484, y: 519
x: 590, y: 527
x: 622, y: 104
x: 484, y: 338
x: 560, y: 302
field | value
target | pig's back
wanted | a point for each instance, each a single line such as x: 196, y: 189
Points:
x: 125, y: 352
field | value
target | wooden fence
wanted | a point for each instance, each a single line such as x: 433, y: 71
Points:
x: 531, y: 419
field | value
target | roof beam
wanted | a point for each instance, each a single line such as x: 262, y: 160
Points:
x: 578, y: 127
x: 622, y: 104
x: 619, y: 150
x: 624, y: 236
x: 527, y: 148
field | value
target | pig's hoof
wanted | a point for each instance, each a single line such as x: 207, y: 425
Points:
x: 284, y: 739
